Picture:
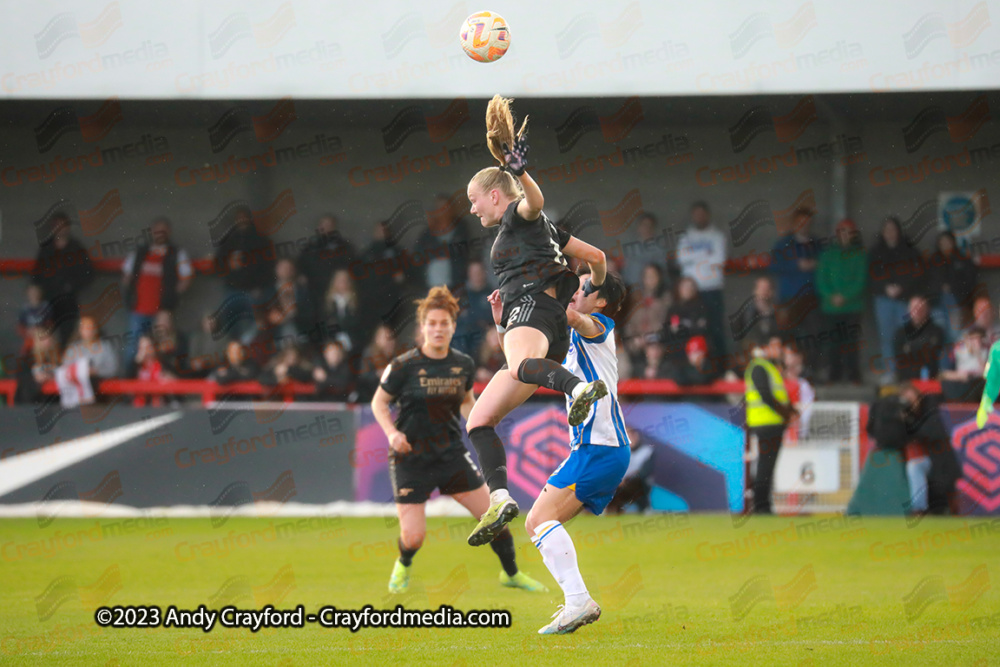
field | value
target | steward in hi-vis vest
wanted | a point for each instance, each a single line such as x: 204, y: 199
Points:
x: 767, y: 413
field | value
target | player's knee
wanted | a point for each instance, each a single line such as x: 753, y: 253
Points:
x: 513, y: 372
x: 413, y: 539
x: 529, y: 525
x: 532, y: 521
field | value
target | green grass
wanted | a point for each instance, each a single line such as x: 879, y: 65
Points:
x: 833, y: 593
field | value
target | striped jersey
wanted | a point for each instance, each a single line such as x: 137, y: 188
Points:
x: 592, y: 359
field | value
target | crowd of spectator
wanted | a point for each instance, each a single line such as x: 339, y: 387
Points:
x: 335, y: 315
x: 932, y: 315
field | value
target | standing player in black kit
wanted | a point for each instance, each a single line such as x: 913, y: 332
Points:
x: 433, y: 386
x: 536, y: 286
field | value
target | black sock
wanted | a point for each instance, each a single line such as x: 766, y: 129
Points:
x: 406, y: 555
x: 503, y: 546
x: 547, y: 373
x: 492, y: 457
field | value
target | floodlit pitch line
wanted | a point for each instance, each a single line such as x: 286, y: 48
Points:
x: 19, y: 471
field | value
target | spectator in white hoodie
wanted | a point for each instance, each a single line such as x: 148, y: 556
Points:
x: 701, y: 255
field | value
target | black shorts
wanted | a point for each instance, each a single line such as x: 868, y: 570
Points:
x: 414, y: 481
x: 540, y: 311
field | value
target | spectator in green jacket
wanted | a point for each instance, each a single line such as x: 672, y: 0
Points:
x: 841, y: 278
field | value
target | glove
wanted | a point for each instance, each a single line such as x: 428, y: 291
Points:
x: 588, y: 287
x: 983, y: 413
x: 516, y: 156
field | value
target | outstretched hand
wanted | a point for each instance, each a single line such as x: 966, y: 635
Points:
x: 516, y: 155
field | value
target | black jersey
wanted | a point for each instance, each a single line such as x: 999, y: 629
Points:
x: 429, y: 393
x: 527, y: 257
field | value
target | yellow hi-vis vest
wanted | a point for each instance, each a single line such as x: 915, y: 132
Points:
x: 758, y: 412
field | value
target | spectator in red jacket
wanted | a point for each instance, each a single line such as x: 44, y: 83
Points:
x: 153, y: 278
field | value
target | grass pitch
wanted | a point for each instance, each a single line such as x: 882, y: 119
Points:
x: 675, y: 589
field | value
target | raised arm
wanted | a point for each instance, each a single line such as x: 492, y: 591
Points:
x: 585, y: 324
x: 591, y: 255
x: 531, y: 206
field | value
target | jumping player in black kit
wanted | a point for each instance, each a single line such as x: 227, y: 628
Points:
x: 536, y: 286
x: 433, y: 385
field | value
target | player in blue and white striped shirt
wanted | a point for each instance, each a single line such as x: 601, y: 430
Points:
x: 598, y: 460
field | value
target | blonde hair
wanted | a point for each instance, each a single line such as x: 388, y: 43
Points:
x: 331, y: 290
x: 500, y: 131
x: 437, y: 298
x: 500, y: 127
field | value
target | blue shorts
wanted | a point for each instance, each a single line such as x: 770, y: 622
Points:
x: 594, y: 473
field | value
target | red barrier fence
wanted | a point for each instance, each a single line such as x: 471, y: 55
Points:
x: 209, y: 390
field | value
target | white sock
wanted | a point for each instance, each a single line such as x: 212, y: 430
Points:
x: 559, y: 556
x: 579, y: 389
x: 498, y: 496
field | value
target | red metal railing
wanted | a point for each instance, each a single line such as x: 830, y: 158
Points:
x: 209, y: 390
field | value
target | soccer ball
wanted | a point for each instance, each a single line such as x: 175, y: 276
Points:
x: 485, y: 36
